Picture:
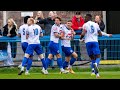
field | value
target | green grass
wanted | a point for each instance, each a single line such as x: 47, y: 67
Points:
x: 81, y: 73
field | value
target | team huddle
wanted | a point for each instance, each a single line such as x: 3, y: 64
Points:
x: 30, y: 34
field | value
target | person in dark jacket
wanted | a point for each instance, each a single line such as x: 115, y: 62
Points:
x: 10, y: 30
x: 48, y: 23
x: 40, y: 17
x: 100, y: 22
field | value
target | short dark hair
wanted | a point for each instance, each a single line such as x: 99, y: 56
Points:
x: 26, y: 18
x: 58, y: 18
x: 78, y: 13
x: 89, y: 15
x: 69, y: 20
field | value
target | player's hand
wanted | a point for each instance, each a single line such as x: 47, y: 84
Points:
x: 68, y: 38
x: 110, y: 35
x: 80, y: 28
x: 8, y: 35
x: 0, y: 36
x: 81, y: 40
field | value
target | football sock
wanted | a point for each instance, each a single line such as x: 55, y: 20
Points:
x: 48, y: 61
x: 29, y: 64
x: 72, y: 61
x: 44, y: 63
x: 24, y: 61
x: 92, y: 66
x: 59, y: 62
x: 65, y: 64
x: 97, y: 61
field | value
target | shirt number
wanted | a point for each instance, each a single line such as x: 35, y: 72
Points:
x: 35, y: 31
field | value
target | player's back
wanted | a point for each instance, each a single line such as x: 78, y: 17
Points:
x: 34, y: 33
x: 91, y: 31
x: 22, y: 31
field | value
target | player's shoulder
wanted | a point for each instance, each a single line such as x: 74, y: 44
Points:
x: 53, y: 26
x: 62, y: 26
x: 22, y: 26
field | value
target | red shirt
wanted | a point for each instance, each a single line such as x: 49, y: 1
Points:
x: 76, y: 24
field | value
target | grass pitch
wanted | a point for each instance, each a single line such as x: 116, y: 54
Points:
x: 81, y: 73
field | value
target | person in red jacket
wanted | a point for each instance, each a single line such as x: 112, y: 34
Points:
x: 77, y: 23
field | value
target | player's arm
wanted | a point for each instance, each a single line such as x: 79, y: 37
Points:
x: 62, y: 36
x: 73, y: 34
x: 19, y: 33
x: 27, y: 34
x: 105, y: 34
x: 41, y: 34
x: 57, y: 35
x: 83, y: 34
x: 98, y: 29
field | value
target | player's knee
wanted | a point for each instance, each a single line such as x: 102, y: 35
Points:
x: 75, y: 55
x: 27, y: 55
x: 41, y: 56
x: 58, y: 56
x: 98, y: 56
x: 50, y: 56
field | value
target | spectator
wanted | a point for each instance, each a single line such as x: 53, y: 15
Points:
x: 77, y: 23
x: 48, y: 22
x: 100, y: 22
x: 10, y: 30
x: 38, y: 18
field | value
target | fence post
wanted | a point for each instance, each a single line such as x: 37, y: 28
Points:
x: 104, y: 20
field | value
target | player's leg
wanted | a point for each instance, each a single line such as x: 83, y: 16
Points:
x: 24, y: 61
x: 66, y: 62
x: 60, y: 64
x: 67, y: 58
x: 29, y: 64
x: 39, y: 52
x: 24, y: 46
x: 49, y: 59
x: 96, y: 52
x: 91, y: 55
x: 92, y: 64
x: 73, y: 59
x: 51, y: 53
x: 28, y: 52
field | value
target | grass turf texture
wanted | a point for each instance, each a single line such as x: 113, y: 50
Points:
x: 81, y: 73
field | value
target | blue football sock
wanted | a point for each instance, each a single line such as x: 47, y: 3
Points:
x: 72, y: 61
x: 97, y: 61
x: 48, y: 61
x: 24, y: 61
x: 92, y: 62
x: 44, y: 63
x: 59, y: 62
x: 29, y: 64
x: 65, y: 64
x: 52, y: 63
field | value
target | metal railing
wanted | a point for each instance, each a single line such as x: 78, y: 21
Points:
x: 109, y: 46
